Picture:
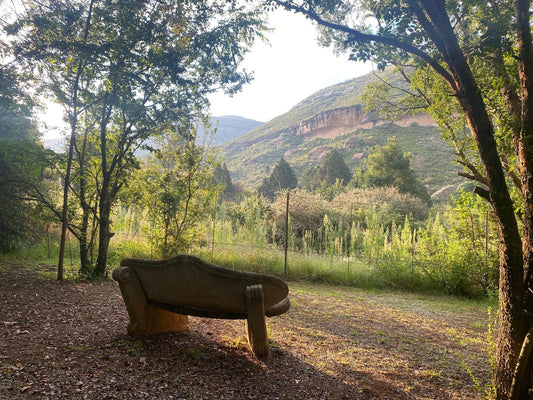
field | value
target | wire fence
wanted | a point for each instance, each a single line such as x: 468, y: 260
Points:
x: 398, y: 255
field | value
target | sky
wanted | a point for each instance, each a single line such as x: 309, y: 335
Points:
x: 286, y: 71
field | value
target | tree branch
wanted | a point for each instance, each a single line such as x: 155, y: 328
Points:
x: 483, y: 193
x: 358, y: 36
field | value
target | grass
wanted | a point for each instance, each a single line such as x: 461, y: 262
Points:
x: 352, y: 271
x: 322, y: 268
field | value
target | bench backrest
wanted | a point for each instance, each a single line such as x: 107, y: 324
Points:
x: 191, y: 283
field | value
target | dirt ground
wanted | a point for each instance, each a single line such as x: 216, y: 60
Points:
x: 68, y: 340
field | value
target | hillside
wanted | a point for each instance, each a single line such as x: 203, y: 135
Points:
x: 334, y: 118
x: 230, y: 127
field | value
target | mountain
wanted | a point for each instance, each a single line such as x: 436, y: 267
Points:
x: 335, y: 118
x: 230, y: 127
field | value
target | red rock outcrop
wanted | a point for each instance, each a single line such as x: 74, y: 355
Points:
x: 341, y: 121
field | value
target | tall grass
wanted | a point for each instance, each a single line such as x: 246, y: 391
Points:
x: 451, y: 253
x: 447, y: 254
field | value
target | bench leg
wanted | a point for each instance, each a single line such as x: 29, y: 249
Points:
x: 159, y: 321
x: 145, y: 319
x: 255, y: 322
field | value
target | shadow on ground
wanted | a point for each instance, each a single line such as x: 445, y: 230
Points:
x: 67, y: 340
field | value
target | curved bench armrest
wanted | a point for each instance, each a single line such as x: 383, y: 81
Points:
x: 281, y: 308
x: 134, y: 297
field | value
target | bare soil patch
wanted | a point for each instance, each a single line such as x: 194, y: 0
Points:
x: 68, y: 340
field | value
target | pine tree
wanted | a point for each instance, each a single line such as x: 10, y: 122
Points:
x: 331, y: 171
x: 281, y: 177
x: 221, y: 176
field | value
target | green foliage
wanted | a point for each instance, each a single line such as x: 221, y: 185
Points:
x: 249, y: 210
x: 332, y: 170
x: 282, y: 177
x: 22, y: 161
x: 353, y: 240
x: 350, y: 240
x: 386, y: 204
x: 122, y: 82
x: 389, y: 166
x: 463, y: 244
x: 222, y: 178
x: 177, y: 189
x: 306, y: 212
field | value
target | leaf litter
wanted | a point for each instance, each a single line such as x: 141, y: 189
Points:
x: 68, y: 340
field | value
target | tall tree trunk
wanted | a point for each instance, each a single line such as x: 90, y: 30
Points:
x: 85, y: 263
x: 85, y: 267
x: 104, y: 207
x: 64, y: 213
x: 523, y: 377
x: 513, y: 324
x: 105, y: 234
x: 516, y: 255
x: 73, y: 125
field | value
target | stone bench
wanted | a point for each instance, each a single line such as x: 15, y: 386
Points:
x: 160, y: 294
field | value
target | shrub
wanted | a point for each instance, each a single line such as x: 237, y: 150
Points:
x: 389, y: 204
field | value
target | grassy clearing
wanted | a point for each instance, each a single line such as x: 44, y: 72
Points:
x: 330, y: 269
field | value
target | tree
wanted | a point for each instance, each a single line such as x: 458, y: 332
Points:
x: 122, y: 82
x: 20, y: 153
x: 388, y: 166
x: 221, y: 176
x: 177, y: 188
x: 281, y: 177
x: 483, y: 54
x: 332, y: 169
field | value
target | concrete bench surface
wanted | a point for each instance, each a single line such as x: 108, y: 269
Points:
x: 159, y: 294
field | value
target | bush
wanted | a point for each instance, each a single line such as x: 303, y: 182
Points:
x: 306, y: 211
x: 389, y: 204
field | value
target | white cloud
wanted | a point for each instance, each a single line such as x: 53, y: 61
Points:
x: 293, y: 67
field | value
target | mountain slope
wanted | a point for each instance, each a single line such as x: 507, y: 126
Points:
x: 334, y: 118
x: 230, y: 127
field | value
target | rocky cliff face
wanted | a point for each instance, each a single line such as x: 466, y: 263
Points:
x: 341, y: 121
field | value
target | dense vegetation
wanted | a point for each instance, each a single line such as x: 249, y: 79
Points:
x: 477, y: 84
x: 250, y: 156
x: 127, y: 86
x: 120, y: 85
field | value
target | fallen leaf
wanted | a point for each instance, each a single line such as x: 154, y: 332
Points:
x: 25, y: 388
